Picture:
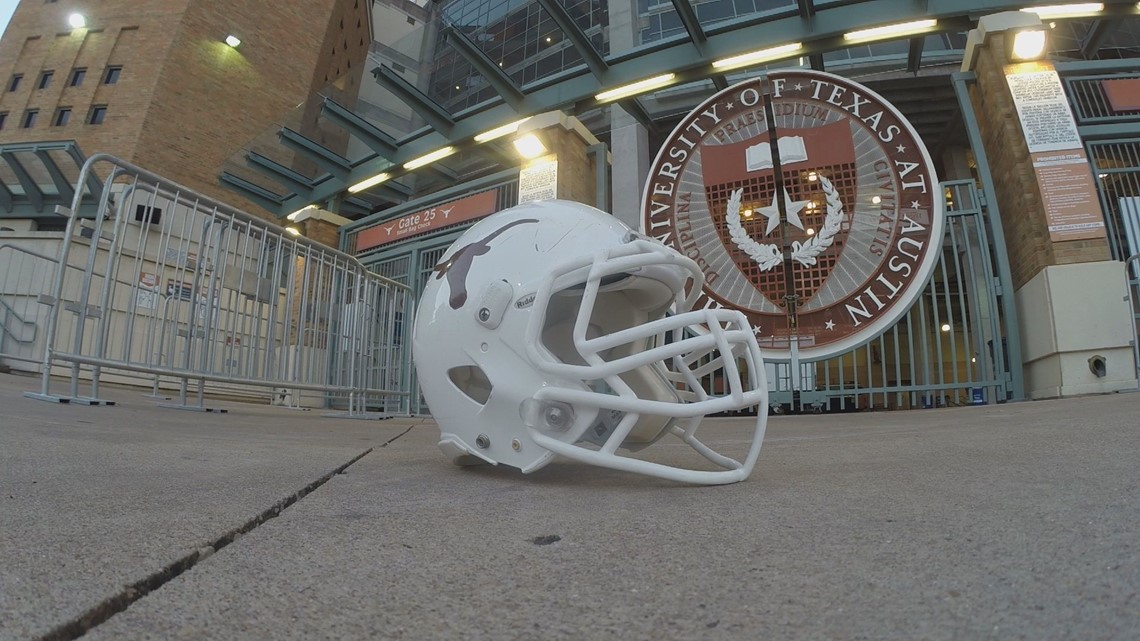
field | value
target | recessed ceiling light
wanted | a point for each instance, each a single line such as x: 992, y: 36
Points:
x: 233, y: 41
x: 77, y: 21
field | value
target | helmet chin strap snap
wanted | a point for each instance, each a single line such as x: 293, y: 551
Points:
x: 548, y: 416
x: 557, y: 416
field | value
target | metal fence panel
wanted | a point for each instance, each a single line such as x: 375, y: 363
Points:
x: 171, y: 284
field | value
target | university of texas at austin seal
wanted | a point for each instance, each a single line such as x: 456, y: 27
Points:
x: 859, y: 219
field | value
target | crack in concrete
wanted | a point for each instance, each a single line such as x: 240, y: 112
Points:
x: 119, y: 602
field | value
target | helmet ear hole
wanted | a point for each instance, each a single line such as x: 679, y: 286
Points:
x: 471, y: 380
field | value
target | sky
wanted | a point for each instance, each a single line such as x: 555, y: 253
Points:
x: 7, y: 7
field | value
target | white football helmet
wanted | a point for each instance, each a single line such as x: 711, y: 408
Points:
x: 553, y: 329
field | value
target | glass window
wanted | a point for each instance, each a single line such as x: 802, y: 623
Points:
x: 97, y: 114
x: 112, y: 75
x: 77, y: 76
x: 30, y: 118
x: 62, y: 115
x: 3, y: 117
x: 45, y: 79
x: 14, y: 83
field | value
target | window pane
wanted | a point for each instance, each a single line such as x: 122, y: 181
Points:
x: 30, y: 118
x: 77, y: 77
x: 62, y: 116
x: 15, y: 83
x: 45, y: 79
x: 112, y: 75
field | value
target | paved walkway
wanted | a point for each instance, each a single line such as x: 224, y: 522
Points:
x: 134, y: 522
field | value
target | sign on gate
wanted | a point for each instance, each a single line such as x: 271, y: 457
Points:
x: 425, y: 220
x: 800, y: 187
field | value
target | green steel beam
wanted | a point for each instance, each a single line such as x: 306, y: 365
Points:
x: 692, y: 24
x: 914, y: 54
x: 94, y: 184
x: 1107, y: 131
x: 361, y: 129
x: 337, y: 165
x: 7, y: 200
x: 255, y: 193
x: 816, y: 61
x: 31, y: 190
x: 1097, y: 34
x: 279, y: 173
x: 633, y: 107
x: 495, y: 152
x: 431, y: 111
x: 806, y: 7
x: 62, y: 184
x: 356, y: 206
x: 442, y: 171
x: 594, y: 60
x: 1001, y: 254
x: 493, y: 73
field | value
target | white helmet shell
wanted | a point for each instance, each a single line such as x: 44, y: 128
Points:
x: 551, y: 328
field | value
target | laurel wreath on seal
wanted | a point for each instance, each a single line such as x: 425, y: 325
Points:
x: 767, y: 255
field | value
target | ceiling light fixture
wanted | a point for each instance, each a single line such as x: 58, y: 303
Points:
x: 529, y: 146
x: 634, y: 88
x: 365, y: 184
x: 890, y: 31
x: 754, y: 57
x: 1028, y: 45
x: 77, y: 21
x: 427, y: 159
x: 1066, y: 10
x: 499, y: 132
x: 233, y: 41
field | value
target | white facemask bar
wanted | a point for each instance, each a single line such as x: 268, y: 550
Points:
x: 728, y: 333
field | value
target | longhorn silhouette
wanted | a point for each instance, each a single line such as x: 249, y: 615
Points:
x: 457, y: 267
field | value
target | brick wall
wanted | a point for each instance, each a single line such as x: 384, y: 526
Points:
x: 184, y: 102
x: 211, y: 99
x: 126, y: 33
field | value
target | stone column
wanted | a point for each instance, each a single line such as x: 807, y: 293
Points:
x: 566, y: 170
x: 1075, y: 324
x: 629, y: 139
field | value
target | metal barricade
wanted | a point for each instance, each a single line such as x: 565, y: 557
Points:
x: 1132, y: 269
x: 25, y: 275
x: 168, y: 283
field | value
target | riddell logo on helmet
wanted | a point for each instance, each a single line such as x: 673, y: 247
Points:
x: 837, y: 205
x: 458, y: 266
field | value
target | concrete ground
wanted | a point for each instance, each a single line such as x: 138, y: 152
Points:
x: 1019, y: 521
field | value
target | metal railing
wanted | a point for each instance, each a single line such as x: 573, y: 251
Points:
x: 169, y: 283
x: 1132, y: 267
x: 24, y: 277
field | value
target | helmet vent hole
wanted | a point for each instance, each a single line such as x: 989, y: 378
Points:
x: 471, y: 380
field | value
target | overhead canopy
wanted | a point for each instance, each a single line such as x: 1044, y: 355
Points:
x: 36, y: 177
x: 471, y: 66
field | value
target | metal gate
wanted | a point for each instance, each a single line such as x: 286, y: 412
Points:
x: 947, y: 350
x: 399, y: 268
x: 1111, y: 134
x: 168, y: 286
